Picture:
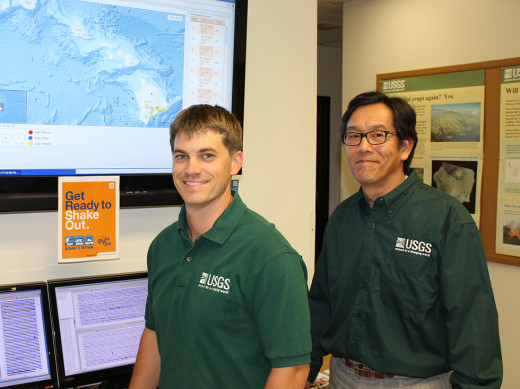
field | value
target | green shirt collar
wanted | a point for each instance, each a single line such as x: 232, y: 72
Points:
x: 223, y: 226
x: 394, y: 200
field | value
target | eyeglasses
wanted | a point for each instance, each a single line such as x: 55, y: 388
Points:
x: 377, y: 137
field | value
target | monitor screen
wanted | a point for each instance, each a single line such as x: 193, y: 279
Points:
x: 98, y: 322
x: 26, y: 345
x: 90, y: 87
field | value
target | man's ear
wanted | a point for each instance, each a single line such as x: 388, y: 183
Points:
x: 406, y: 148
x: 237, y: 161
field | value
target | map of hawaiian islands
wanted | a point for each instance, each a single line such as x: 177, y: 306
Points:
x: 80, y: 63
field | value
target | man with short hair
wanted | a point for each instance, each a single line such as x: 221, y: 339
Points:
x: 227, y: 301
x: 401, y: 295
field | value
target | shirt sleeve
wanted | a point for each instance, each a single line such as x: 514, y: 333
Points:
x: 148, y: 314
x: 320, y: 310
x: 472, y: 318
x: 281, y: 311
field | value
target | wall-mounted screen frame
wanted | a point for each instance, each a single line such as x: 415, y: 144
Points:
x: 97, y: 84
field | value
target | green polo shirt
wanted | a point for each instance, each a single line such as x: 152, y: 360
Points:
x: 228, y: 307
x: 404, y: 288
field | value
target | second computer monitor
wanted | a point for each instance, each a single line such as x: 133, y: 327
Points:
x: 98, y: 322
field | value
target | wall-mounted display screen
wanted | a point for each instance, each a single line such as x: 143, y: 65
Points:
x: 91, y: 87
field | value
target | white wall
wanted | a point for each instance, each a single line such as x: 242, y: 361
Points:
x: 28, y: 245
x: 280, y: 118
x: 383, y: 36
x: 279, y: 145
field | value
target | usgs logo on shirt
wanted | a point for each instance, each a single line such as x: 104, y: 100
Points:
x: 413, y: 246
x: 214, y: 283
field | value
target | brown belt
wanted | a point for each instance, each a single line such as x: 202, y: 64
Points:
x: 364, y: 371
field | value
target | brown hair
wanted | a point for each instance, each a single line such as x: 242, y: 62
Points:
x: 198, y: 119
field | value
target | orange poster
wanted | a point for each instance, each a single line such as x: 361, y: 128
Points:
x: 88, y: 212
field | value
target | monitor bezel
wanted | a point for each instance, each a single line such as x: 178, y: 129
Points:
x: 92, y: 377
x: 42, y: 287
x: 40, y: 193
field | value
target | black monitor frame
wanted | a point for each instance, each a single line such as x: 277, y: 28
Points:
x: 40, y: 193
x: 42, y: 287
x: 116, y: 377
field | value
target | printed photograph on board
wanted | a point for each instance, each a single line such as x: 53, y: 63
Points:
x: 455, y: 122
x: 458, y: 179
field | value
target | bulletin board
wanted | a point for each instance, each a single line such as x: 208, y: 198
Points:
x: 486, y: 153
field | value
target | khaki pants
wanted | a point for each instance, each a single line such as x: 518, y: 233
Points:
x: 343, y: 377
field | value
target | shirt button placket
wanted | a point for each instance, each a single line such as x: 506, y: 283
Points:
x: 356, y: 329
x: 185, y: 271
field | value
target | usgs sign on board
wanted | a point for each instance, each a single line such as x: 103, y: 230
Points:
x: 394, y: 86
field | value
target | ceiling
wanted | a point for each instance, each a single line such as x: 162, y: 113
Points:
x: 330, y: 21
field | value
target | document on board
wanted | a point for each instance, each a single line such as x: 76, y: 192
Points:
x: 450, y: 131
x: 88, y: 218
x: 508, y: 196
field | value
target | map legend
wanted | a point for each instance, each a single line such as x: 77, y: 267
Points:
x: 31, y: 138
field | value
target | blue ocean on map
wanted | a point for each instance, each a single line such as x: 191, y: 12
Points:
x: 12, y: 106
x: 81, y: 63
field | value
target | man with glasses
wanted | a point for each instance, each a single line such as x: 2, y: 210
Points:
x: 401, y: 295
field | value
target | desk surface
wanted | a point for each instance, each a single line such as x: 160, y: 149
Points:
x: 326, y: 363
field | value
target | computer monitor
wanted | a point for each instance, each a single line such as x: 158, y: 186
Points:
x: 98, y: 322
x: 26, y: 346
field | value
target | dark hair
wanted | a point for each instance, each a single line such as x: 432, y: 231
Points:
x: 198, y: 119
x: 404, y: 118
